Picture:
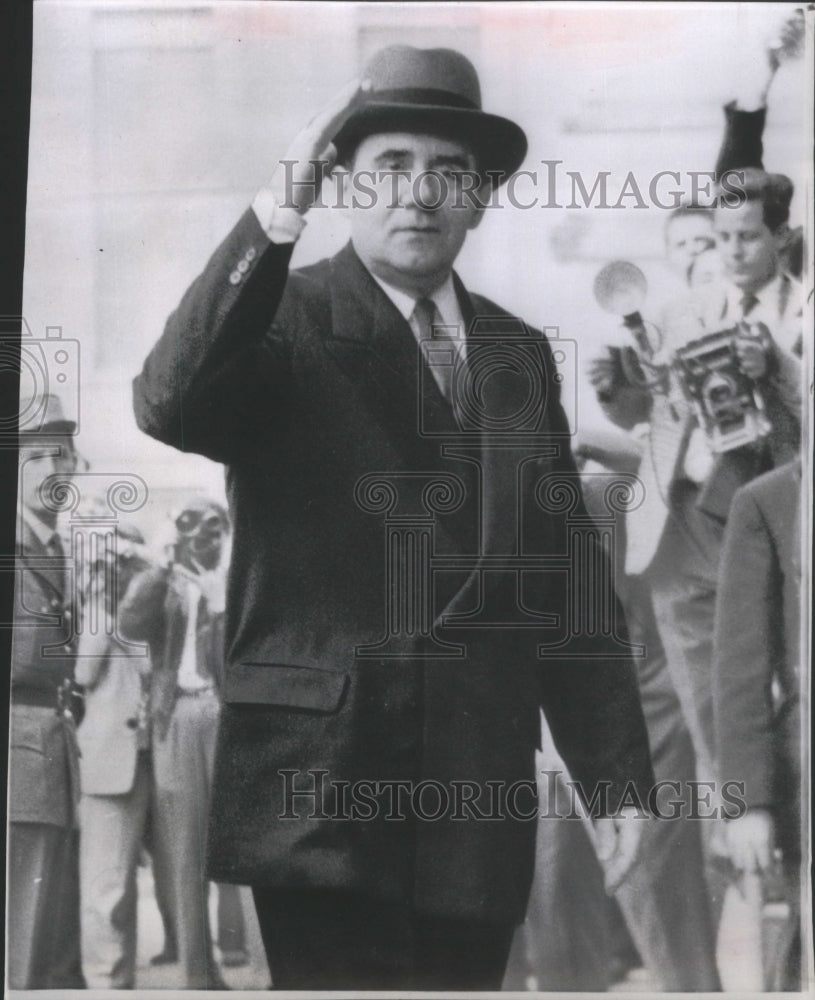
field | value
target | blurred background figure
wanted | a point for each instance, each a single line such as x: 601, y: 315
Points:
x: 688, y: 233
x: 116, y: 771
x: 178, y: 610
x: 43, y: 847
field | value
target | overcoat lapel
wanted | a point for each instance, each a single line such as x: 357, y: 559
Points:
x: 375, y: 346
x: 510, y: 464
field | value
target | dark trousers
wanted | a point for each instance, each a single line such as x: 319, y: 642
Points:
x: 331, y: 940
x: 231, y: 925
x: 44, y: 950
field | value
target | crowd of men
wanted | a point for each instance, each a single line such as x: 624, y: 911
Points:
x: 112, y: 739
x: 333, y: 654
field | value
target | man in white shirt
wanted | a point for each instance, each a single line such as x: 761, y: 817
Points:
x: 178, y: 610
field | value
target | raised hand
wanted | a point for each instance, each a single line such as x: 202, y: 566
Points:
x: 312, y: 155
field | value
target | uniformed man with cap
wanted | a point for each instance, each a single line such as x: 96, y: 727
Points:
x: 43, y: 861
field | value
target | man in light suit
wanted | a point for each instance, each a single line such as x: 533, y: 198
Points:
x: 116, y: 774
x: 178, y: 610
x: 328, y: 392
x: 43, y: 948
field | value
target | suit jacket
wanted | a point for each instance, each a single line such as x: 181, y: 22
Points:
x: 305, y: 384
x: 757, y: 680
x: 43, y: 756
x: 155, y: 610
x: 109, y: 734
x: 672, y: 420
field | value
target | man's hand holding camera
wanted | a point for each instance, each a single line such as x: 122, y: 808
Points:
x: 753, y: 354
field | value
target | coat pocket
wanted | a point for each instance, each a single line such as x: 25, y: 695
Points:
x: 285, y: 685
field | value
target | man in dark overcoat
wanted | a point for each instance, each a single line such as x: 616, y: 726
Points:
x: 388, y: 477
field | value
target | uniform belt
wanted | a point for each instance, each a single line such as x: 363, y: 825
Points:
x: 35, y: 697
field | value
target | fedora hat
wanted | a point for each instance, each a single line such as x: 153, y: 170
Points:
x: 434, y: 91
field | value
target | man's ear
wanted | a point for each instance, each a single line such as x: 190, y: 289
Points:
x: 479, y: 203
x: 781, y: 236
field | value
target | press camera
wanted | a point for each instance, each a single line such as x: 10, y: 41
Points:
x: 727, y: 402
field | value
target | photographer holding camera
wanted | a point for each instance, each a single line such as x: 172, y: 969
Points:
x: 676, y: 536
x: 178, y: 609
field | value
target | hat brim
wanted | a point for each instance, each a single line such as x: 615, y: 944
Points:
x: 499, y: 144
x: 50, y: 427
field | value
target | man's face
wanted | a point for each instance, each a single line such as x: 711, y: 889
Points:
x: 201, y: 539
x: 413, y: 231
x: 747, y: 246
x: 686, y: 237
x: 37, y: 463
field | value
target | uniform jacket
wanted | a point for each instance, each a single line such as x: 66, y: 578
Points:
x: 109, y: 734
x: 305, y: 384
x: 757, y: 682
x: 672, y: 421
x: 155, y: 610
x: 43, y: 756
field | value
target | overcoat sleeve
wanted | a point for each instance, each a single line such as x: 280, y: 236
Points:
x: 218, y: 354
x: 591, y: 700
x: 748, y: 637
x: 741, y: 144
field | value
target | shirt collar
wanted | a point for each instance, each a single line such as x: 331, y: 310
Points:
x: 764, y: 296
x: 444, y: 298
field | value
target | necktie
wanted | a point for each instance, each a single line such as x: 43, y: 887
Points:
x: 443, y: 364
x: 748, y: 303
